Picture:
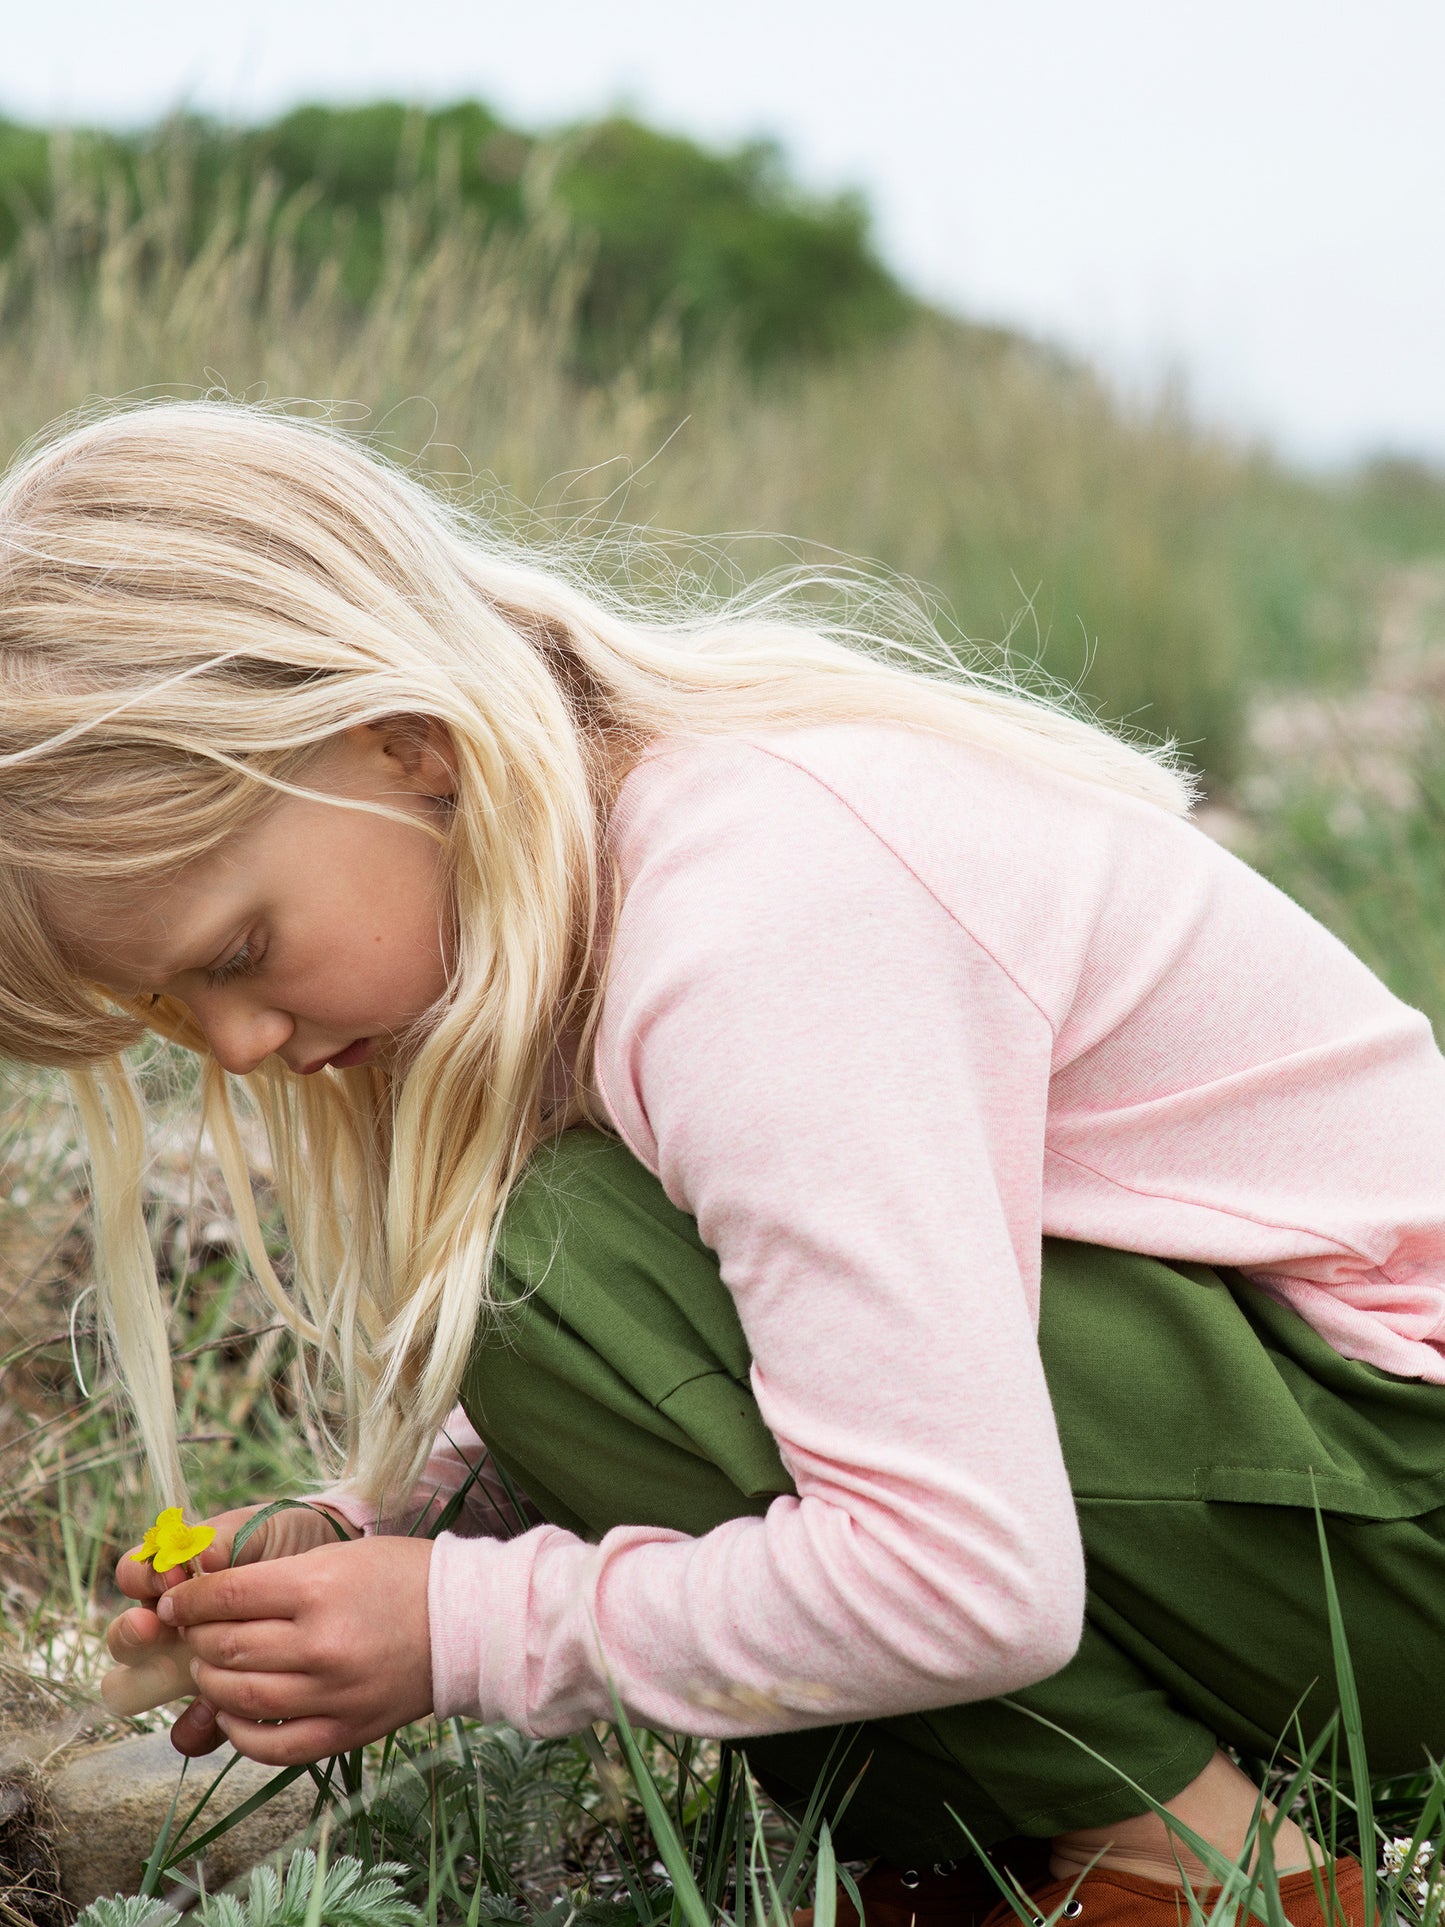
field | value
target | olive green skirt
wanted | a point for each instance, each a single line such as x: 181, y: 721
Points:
x: 1199, y: 1421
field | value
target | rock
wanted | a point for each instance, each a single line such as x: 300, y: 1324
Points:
x: 110, y: 1803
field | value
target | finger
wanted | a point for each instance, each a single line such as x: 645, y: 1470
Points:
x: 138, y: 1636
x: 272, y: 1589
x: 137, y: 1580
x: 258, y: 1696
x: 266, y: 1542
x: 303, y: 1528
x: 196, y: 1731
x: 128, y: 1690
x: 247, y: 1645
x: 217, y: 1556
x: 295, y: 1743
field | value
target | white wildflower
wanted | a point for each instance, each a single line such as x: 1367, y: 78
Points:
x: 1416, y: 1882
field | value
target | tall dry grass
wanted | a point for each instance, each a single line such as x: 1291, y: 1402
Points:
x: 1162, y: 569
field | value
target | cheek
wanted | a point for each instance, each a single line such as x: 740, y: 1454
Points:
x: 406, y: 968
x: 399, y: 950
x: 374, y: 950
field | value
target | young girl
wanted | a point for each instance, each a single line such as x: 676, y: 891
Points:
x: 879, y: 984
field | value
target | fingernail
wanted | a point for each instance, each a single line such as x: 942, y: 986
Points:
x: 195, y: 1670
x: 166, y: 1610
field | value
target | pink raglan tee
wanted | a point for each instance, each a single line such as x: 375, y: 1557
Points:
x: 884, y: 1010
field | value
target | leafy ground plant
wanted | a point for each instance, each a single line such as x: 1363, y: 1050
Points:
x: 343, y: 1894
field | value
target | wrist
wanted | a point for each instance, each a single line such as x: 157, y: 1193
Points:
x: 347, y: 1526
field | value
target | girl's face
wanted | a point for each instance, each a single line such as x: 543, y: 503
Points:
x: 316, y: 934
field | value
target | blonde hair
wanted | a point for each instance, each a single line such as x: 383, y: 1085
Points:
x: 193, y: 598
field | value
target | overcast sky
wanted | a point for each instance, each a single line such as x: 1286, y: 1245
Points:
x: 1251, y: 192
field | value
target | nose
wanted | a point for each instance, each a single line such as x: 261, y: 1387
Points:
x: 242, y: 1035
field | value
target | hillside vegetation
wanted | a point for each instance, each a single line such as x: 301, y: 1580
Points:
x: 615, y: 327
x: 722, y: 246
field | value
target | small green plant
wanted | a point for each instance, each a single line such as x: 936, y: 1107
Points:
x: 135, y: 1911
x: 344, y: 1894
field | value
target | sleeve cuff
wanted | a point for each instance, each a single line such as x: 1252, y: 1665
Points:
x: 360, y: 1516
x: 477, y: 1606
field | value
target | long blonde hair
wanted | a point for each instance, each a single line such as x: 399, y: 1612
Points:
x: 193, y: 598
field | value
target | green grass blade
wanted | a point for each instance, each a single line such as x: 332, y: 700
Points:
x: 1353, y: 1722
x: 742, y: 1878
x: 670, y: 1849
x: 754, y: 1848
x: 513, y: 1496
x: 775, y: 1912
x: 795, y: 1865
x: 1429, y: 1819
x: 317, y: 1898
x: 323, y: 1794
x: 1007, y: 1885
x: 451, y: 1511
x: 825, y: 1881
x: 252, y: 1804
x: 178, y: 1852
x: 1234, y: 1880
x: 719, y: 1821
x: 156, y: 1865
x: 78, y: 1597
x: 258, y: 1519
x: 850, y: 1887
x: 1266, y: 1879
x: 432, y: 1896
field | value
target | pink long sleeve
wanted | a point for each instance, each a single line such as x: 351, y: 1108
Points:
x: 883, y: 1011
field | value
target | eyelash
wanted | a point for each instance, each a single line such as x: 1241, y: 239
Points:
x: 241, y: 964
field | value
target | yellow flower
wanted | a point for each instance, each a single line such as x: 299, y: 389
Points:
x: 171, y: 1542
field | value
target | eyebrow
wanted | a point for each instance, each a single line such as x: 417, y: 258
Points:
x: 235, y: 933
x: 173, y: 965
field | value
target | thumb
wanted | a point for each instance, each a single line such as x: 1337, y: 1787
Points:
x: 217, y: 1555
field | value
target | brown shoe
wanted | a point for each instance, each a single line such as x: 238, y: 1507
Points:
x: 951, y: 1894
x: 1108, y: 1899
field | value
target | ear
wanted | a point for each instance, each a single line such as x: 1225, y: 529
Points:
x: 421, y: 750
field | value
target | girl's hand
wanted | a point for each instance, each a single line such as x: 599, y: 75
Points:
x: 297, y: 1529
x: 336, y: 1645
x: 152, y: 1666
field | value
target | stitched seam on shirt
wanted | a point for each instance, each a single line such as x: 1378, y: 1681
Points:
x: 1269, y: 1224
x: 903, y: 863
x: 1197, y: 1204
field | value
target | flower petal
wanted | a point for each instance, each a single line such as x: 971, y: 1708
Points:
x: 171, y: 1542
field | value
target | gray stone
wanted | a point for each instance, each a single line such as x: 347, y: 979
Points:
x: 111, y: 1802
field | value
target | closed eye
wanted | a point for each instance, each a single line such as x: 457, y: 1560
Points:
x: 239, y: 964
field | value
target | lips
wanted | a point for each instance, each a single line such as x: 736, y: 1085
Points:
x: 356, y: 1053
x: 344, y: 1060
